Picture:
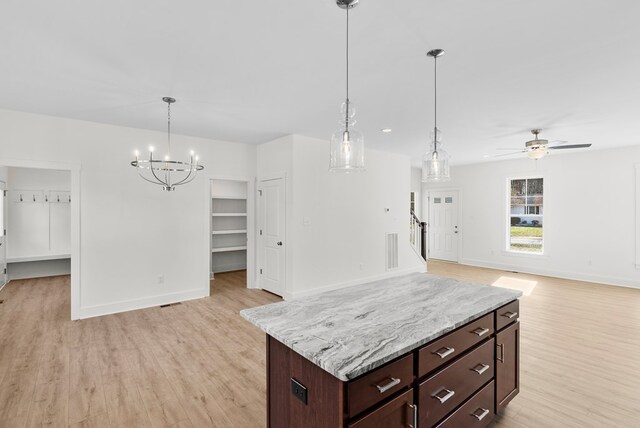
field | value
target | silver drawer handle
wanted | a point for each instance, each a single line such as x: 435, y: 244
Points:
x: 448, y: 394
x: 414, y: 407
x: 385, y: 388
x: 483, y: 413
x: 444, y: 352
x: 510, y: 315
x: 481, y: 368
x: 480, y: 331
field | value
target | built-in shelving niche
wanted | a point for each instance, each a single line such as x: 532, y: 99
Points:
x: 228, y: 225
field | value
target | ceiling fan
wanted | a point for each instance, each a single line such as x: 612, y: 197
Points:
x: 539, y: 148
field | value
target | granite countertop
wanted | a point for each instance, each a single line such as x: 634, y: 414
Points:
x: 353, y: 330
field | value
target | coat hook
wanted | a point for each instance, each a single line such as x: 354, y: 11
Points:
x: 34, y: 198
x: 46, y: 198
x: 21, y: 200
x: 58, y: 198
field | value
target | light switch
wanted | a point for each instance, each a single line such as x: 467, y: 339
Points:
x: 306, y: 221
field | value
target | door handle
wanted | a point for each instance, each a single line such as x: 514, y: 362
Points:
x: 279, y: 243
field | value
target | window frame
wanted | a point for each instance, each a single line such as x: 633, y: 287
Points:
x: 507, y: 220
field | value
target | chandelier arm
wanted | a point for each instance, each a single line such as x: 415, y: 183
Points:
x: 184, y: 180
x: 145, y: 178
x: 153, y: 171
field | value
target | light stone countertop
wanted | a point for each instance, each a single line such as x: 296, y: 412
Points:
x: 353, y: 330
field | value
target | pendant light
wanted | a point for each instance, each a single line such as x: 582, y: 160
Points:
x: 347, y: 144
x: 435, y: 163
x: 166, y: 172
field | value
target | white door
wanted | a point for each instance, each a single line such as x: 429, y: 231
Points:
x: 3, y: 234
x: 443, y: 226
x: 271, y: 235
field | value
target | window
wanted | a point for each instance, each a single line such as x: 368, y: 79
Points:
x: 525, y: 215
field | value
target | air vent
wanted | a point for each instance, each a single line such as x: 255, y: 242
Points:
x: 391, y: 251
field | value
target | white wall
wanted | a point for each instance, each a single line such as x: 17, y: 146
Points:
x: 131, y: 231
x: 589, y: 209
x: 343, y: 240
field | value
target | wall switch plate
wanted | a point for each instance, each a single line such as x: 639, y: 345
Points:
x: 299, y: 390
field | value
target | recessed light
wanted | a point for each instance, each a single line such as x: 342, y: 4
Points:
x: 386, y: 130
x: 486, y: 156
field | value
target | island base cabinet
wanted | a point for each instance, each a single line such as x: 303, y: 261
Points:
x: 507, y: 365
x: 477, y: 412
x: 398, y: 413
x: 325, y: 394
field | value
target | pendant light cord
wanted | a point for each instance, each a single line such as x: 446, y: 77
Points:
x: 435, y: 104
x: 346, y: 113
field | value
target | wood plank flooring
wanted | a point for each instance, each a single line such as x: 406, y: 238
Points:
x: 195, y: 364
x: 580, y: 350
x: 199, y: 364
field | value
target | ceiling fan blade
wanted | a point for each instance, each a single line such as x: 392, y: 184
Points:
x: 510, y: 154
x: 572, y: 146
x: 558, y: 142
x: 510, y: 148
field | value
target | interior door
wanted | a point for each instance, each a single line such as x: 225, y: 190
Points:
x: 3, y: 234
x: 443, y: 226
x: 272, y: 263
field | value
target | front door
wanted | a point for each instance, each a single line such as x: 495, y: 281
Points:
x: 443, y: 226
x: 271, y: 269
x: 3, y: 234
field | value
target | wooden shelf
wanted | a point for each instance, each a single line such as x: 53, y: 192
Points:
x: 228, y: 232
x: 229, y: 214
x: 224, y: 249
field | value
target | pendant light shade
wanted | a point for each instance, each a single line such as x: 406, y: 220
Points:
x: 435, y: 163
x: 346, y: 153
x: 347, y: 144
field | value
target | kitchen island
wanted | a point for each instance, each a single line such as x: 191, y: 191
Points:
x: 415, y: 350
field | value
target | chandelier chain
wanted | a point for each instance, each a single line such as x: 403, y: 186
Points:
x: 169, y: 128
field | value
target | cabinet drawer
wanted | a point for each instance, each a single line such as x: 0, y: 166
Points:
x: 398, y: 413
x: 445, y: 390
x: 507, y: 314
x: 476, y: 413
x: 379, y: 384
x: 454, y: 344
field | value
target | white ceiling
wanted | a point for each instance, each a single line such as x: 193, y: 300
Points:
x: 250, y: 71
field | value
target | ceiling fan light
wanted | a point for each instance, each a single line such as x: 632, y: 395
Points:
x: 537, y: 153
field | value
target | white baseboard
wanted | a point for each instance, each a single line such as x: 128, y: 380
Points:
x: 332, y: 287
x: 577, y: 276
x: 146, y: 302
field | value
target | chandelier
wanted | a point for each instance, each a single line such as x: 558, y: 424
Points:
x: 166, y: 172
x: 435, y: 163
x: 347, y: 144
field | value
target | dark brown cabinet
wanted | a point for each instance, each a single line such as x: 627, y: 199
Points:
x: 507, y: 365
x: 398, y: 413
x: 458, y: 380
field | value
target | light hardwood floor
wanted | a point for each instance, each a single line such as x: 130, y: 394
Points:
x: 199, y: 364
x: 194, y: 364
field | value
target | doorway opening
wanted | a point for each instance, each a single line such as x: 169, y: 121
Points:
x: 230, y: 231
x: 35, y: 239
